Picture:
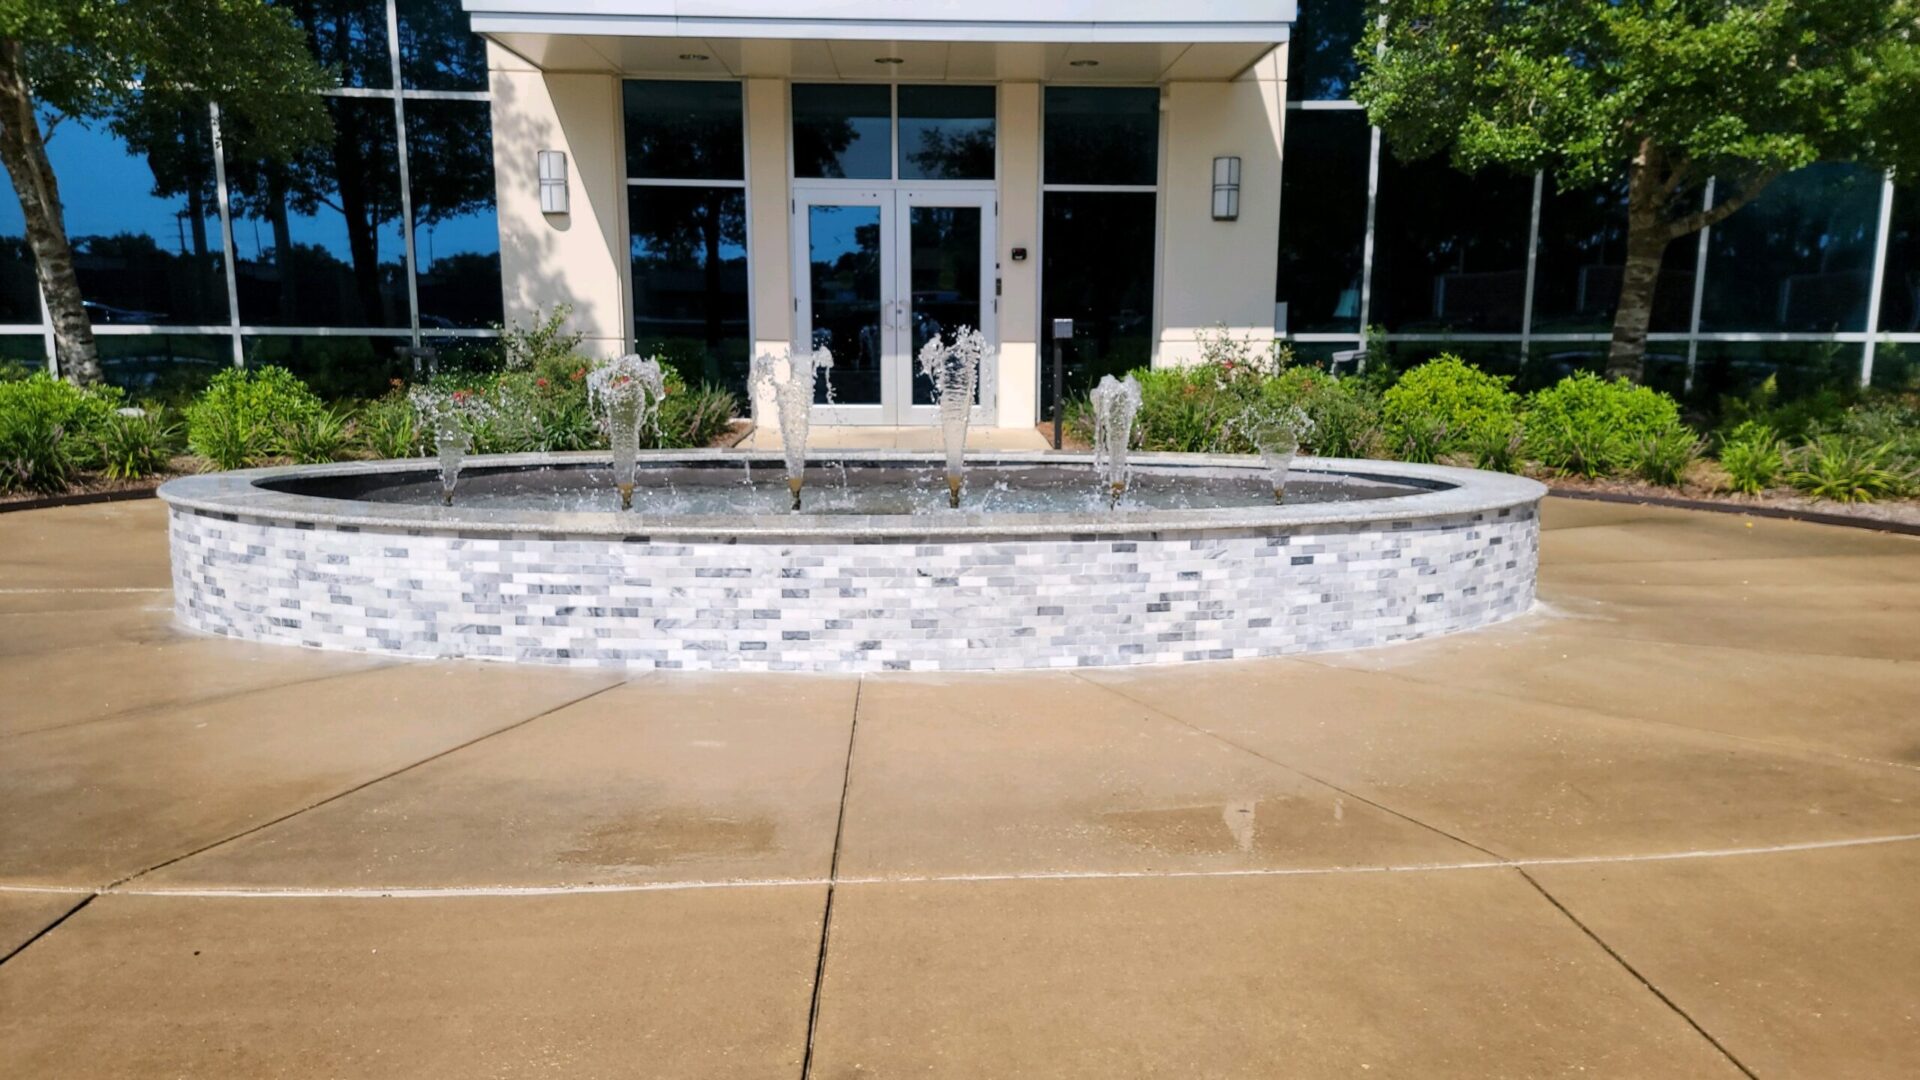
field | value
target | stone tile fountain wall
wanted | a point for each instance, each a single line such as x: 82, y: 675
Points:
x: 806, y: 605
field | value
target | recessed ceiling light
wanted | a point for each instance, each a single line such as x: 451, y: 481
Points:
x: 694, y: 56
x: 1083, y: 63
x: 889, y: 60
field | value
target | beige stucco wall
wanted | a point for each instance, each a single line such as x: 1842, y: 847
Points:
x: 1215, y: 273
x: 1019, y: 225
x: 576, y: 258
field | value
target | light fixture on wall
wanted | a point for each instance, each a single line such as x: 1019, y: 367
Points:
x: 553, y: 181
x: 1226, y: 189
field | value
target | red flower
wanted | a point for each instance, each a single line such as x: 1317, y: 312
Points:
x: 541, y: 383
x: 579, y: 373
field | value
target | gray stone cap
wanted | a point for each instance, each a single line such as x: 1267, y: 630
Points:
x: 1454, y: 492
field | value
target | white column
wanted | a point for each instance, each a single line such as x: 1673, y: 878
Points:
x: 1019, y: 227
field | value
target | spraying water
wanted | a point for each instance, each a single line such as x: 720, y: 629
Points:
x: 449, y: 414
x: 954, y: 371
x: 1276, y: 432
x: 793, y: 397
x: 1115, y: 402
x: 625, y: 395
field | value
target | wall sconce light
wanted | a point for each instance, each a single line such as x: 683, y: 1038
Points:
x: 1226, y: 189
x: 553, y: 182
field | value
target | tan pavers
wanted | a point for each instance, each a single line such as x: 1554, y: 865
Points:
x: 1526, y: 778
x: 1801, y: 963
x: 105, y: 545
x: 174, y: 669
x: 668, y: 778
x: 1045, y: 772
x: 149, y: 622
x: 1656, y: 534
x: 702, y: 983
x: 24, y: 913
x: 88, y: 804
x: 1432, y: 974
x: 1841, y: 704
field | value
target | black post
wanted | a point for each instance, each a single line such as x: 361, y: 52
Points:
x: 1062, y: 330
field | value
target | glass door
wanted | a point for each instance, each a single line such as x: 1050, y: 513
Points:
x: 947, y: 280
x: 844, y: 299
x: 878, y: 273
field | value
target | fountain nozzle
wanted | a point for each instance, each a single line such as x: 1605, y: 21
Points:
x: 953, y: 490
x: 626, y: 495
x: 1114, y: 493
x: 446, y: 497
x: 793, y: 484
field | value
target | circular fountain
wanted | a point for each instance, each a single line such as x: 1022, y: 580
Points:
x: 535, y: 561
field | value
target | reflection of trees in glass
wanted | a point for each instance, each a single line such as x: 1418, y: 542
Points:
x: 818, y: 143
x: 1320, y: 54
x: 449, y: 159
x: 1102, y: 135
x: 438, y: 50
x: 683, y: 130
x: 954, y: 153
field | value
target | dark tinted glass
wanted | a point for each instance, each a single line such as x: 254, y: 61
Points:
x: 438, y: 49
x: 684, y: 130
x: 689, y: 255
x: 946, y: 132
x: 19, y: 292
x: 22, y: 354
x: 347, y: 36
x: 1320, y: 58
x: 143, y: 216
x: 1583, y: 254
x: 945, y: 273
x: 1900, y: 301
x: 456, y: 240
x: 1097, y: 269
x: 1102, y: 135
x: 1896, y: 365
x: 1323, y: 220
x: 1798, y: 258
x: 1551, y: 361
x: 843, y: 250
x: 1450, y: 250
x: 318, y: 241
x: 842, y: 131
x: 166, y: 366
x: 336, y: 367
x: 1797, y: 368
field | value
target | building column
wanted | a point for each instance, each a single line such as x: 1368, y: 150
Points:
x: 577, y: 258
x: 1019, y: 227
x: 1221, y: 273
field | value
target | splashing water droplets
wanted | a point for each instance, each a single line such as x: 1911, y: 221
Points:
x: 1276, y: 432
x: 1115, y: 403
x: 625, y: 395
x: 793, y: 399
x: 954, y: 371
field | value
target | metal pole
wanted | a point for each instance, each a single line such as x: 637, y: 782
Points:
x: 1062, y: 330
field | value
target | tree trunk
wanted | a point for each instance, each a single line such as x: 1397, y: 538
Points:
x: 25, y: 154
x: 1647, y: 238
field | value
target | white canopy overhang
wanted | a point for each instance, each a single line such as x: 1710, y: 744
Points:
x: 1083, y: 41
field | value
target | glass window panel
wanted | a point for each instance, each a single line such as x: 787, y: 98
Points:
x: 842, y: 131
x: 1323, y: 221
x: 1096, y: 269
x: 843, y: 252
x: 1733, y: 368
x: 349, y: 37
x: 19, y: 291
x: 689, y: 254
x: 1102, y: 135
x: 1582, y: 262
x: 946, y: 132
x: 945, y: 275
x: 1799, y: 257
x: 1496, y: 357
x: 318, y: 241
x: 1550, y: 361
x: 171, y: 367
x: 438, y: 49
x: 335, y: 367
x: 456, y: 240
x: 1900, y: 301
x: 22, y: 355
x: 143, y: 215
x: 1320, y: 54
x: 678, y: 130
x: 1450, y: 250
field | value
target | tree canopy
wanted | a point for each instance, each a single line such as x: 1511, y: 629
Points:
x: 1665, y: 92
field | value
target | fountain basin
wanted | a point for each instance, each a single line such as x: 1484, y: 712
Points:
x: 361, y: 556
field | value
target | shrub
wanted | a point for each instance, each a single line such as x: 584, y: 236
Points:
x: 1794, y: 419
x: 1345, y: 412
x: 389, y: 427
x: 1587, y: 426
x: 1753, y: 457
x: 1446, y: 406
x: 694, y: 417
x: 1499, y: 451
x: 133, y: 446
x: 1849, y: 470
x: 36, y: 453
x: 545, y: 348
x: 1664, y: 458
x: 317, y: 438
x: 44, y: 402
x: 240, y: 417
